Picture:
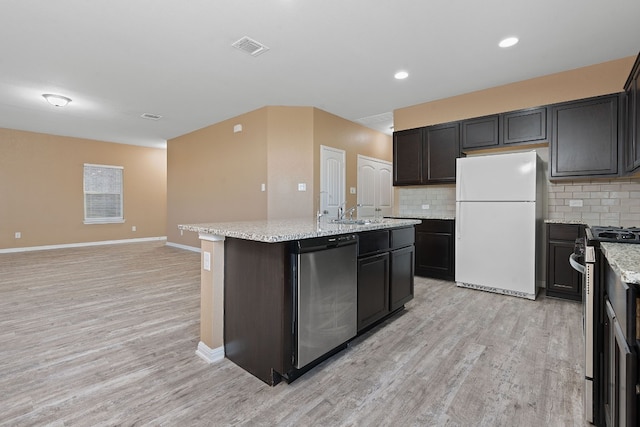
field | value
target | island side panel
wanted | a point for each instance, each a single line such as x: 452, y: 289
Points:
x: 211, y: 298
x: 257, y: 307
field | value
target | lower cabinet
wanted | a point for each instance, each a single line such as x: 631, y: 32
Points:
x: 385, y: 273
x: 562, y: 280
x: 401, y: 281
x: 435, y: 250
x: 373, y: 289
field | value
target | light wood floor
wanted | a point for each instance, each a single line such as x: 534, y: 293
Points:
x: 107, y: 336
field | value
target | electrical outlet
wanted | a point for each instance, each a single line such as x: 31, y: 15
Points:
x: 206, y: 261
x: 425, y: 206
x: 133, y: 228
x: 575, y: 203
x: 18, y: 235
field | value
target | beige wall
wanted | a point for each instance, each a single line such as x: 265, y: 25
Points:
x: 290, y: 162
x: 336, y: 132
x: 41, y: 189
x: 594, y: 80
x: 215, y: 175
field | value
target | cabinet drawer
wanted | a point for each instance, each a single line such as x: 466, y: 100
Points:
x: 436, y: 225
x: 568, y: 232
x: 373, y: 241
x: 401, y: 237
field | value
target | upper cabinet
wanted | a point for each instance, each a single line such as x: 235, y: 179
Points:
x: 407, y: 157
x: 522, y: 126
x: 426, y: 155
x: 585, y: 137
x: 480, y: 133
x: 632, y: 134
x: 442, y: 148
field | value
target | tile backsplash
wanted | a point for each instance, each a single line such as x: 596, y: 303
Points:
x: 440, y: 198
x: 604, y: 202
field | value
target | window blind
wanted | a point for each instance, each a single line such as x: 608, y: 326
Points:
x: 103, y: 194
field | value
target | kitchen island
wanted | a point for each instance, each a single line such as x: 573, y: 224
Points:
x: 251, y: 262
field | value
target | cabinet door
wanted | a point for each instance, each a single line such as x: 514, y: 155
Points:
x: 480, y: 133
x: 620, y: 373
x: 562, y: 280
x: 632, y: 140
x: 373, y: 289
x: 401, y: 281
x: 407, y: 157
x: 524, y: 126
x: 434, y: 249
x: 442, y: 147
x: 585, y: 138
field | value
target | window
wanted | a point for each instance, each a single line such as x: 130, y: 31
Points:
x: 102, y: 194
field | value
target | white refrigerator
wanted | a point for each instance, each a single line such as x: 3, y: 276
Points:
x: 499, y: 223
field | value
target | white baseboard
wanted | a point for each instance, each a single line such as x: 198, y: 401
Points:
x: 185, y: 247
x: 208, y: 354
x: 78, y: 245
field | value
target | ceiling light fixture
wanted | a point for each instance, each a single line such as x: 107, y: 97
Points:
x: 401, y: 75
x: 508, y: 42
x: 56, y: 100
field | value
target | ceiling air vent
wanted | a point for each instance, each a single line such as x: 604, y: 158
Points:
x: 250, y: 46
x: 151, y: 116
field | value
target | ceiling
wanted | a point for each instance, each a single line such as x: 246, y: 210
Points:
x: 119, y: 59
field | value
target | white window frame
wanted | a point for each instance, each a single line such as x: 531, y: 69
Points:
x: 89, y: 191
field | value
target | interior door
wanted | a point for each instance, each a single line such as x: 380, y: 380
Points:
x: 375, y: 187
x: 332, y: 180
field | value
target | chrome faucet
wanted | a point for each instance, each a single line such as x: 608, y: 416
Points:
x: 351, y: 210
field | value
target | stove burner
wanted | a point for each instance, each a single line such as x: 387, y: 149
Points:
x: 616, y: 234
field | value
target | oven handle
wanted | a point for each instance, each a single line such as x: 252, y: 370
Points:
x: 573, y: 260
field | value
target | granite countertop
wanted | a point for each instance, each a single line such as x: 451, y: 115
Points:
x: 271, y: 231
x: 624, y: 258
x: 425, y: 216
x: 565, y: 221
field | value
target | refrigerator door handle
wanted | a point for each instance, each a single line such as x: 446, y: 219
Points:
x: 458, y: 221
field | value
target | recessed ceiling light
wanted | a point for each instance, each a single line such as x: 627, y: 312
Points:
x: 56, y: 100
x: 508, y: 42
x: 400, y: 75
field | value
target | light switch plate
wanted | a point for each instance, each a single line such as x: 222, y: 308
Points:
x: 302, y: 186
x: 352, y: 190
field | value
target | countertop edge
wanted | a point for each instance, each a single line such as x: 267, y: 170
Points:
x: 285, y: 231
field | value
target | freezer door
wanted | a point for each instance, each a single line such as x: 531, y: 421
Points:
x: 501, y: 177
x: 496, y: 246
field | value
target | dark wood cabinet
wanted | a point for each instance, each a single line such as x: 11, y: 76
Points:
x: 435, y: 250
x: 373, y: 289
x: 402, y: 267
x: 426, y: 155
x: 585, y: 137
x: 480, y: 133
x: 523, y: 126
x: 632, y: 125
x: 261, y: 342
x: 562, y: 280
x: 442, y: 148
x: 407, y: 157
x: 385, y: 273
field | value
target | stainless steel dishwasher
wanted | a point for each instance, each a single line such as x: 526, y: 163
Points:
x: 325, y: 286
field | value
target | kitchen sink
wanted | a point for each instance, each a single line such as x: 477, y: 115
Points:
x: 351, y: 221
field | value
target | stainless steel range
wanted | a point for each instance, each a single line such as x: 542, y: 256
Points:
x: 615, y: 234
x: 588, y: 260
